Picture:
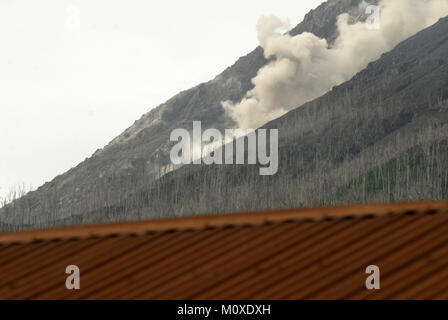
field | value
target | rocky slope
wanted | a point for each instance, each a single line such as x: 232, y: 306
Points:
x: 382, y: 136
x: 141, y: 153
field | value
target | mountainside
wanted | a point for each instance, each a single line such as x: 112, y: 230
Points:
x: 382, y: 136
x: 140, y: 154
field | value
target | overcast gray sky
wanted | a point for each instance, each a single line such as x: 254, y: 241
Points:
x: 75, y: 74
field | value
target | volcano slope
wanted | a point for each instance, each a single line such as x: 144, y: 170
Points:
x: 138, y: 157
x: 380, y: 137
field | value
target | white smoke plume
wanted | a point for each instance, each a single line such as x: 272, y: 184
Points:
x: 305, y: 66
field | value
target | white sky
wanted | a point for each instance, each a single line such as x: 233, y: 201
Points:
x: 75, y: 74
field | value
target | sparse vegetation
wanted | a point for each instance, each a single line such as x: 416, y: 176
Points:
x: 379, y: 137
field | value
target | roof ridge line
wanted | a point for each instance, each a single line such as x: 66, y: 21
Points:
x: 222, y: 220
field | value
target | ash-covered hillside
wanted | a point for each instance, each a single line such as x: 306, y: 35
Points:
x: 382, y: 136
x: 140, y: 155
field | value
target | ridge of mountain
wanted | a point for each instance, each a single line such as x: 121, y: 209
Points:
x: 396, y: 111
x: 141, y: 153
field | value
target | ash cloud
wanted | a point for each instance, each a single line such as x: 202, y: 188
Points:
x: 305, y: 66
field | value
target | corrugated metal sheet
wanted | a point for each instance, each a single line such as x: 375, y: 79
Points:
x: 317, y: 253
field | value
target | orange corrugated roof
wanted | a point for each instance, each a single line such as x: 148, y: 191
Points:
x: 319, y: 253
